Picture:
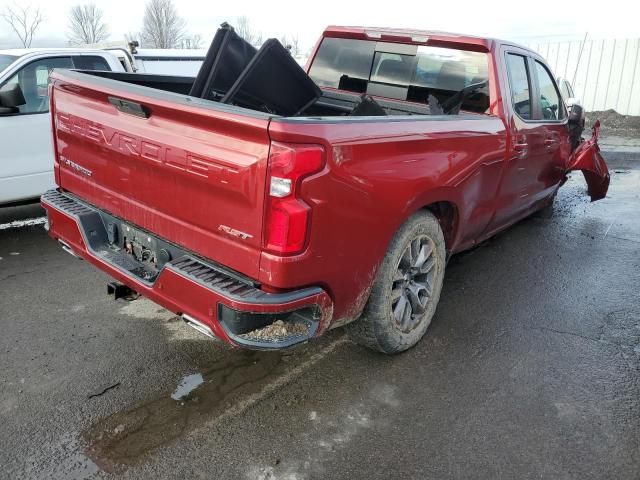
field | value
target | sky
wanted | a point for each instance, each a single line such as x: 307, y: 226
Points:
x: 514, y: 20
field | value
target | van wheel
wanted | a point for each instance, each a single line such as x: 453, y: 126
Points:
x: 406, y: 289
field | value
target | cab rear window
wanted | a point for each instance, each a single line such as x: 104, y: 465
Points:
x: 404, y: 72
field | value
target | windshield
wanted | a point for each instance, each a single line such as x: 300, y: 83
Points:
x: 404, y: 72
x: 6, y: 60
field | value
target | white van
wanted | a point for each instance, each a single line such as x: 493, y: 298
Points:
x: 26, y: 153
x: 169, y: 61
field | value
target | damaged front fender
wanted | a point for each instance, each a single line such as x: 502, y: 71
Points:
x: 587, y: 158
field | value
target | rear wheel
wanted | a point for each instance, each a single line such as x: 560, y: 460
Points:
x: 406, y: 290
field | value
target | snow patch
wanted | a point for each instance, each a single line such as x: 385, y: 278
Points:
x: 320, y: 444
x: 386, y: 394
x: 23, y: 223
x: 268, y: 473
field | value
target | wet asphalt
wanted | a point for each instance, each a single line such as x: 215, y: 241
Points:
x: 529, y: 370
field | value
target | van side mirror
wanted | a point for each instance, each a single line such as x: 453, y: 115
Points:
x: 11, y: 97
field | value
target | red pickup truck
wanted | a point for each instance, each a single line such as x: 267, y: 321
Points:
x: 266, y: 230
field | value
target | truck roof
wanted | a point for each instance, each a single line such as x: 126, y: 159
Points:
x: 171, y: 52
x: 408, y: 35
x: 18, y: 52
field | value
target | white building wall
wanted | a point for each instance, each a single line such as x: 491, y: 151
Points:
x: 605, y: 73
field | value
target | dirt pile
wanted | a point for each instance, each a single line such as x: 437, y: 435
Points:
x: 613, y: 123
x: 276, y: 331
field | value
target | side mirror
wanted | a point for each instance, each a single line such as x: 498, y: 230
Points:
x: 576, y: 115
x: 575, y: 124
x: 571, y: 101
x: 11, y: 97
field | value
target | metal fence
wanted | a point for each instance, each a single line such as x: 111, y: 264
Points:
x: 604, y: 73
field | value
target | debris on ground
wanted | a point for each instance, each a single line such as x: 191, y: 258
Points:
x: 104, y: 390
x: 276, y: 331
x: 614, y: 123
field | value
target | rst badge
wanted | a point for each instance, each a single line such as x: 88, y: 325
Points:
x: 234, y: 233
x: 74, y: 166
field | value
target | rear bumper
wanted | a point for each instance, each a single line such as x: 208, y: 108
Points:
x: 205, y: 294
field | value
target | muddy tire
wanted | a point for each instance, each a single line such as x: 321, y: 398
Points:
x: 406, y: 289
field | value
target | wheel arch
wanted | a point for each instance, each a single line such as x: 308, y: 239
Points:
x: 446, y: 212
x: 446, y: 204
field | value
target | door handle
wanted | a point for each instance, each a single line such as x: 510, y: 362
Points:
x: 520, y: 147
x: 520, y: 150
x: 551, y: 141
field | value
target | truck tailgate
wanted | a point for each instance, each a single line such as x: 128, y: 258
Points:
x: 189, y: 172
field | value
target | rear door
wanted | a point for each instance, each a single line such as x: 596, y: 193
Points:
x: 187, y: 170
x: 535, y: 163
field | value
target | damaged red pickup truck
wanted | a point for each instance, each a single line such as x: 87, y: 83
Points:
x: 417, y: 145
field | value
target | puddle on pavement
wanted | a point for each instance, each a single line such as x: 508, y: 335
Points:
x: 187, y: 385
x: 121, y: 439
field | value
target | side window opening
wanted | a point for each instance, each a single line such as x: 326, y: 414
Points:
x: 519, y: 84
x: 34, y: 81
x: 551, y: 106
x: 90, y: 62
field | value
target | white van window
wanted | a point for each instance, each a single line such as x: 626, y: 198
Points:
x: 6, y: 60
x: 34, y: 81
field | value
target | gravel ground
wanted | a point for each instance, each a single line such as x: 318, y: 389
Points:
x: 529, y: 370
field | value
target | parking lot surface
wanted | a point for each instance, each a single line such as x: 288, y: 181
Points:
x: 530, y: 369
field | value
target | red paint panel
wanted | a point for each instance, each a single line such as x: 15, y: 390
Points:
x: 377, y: 174
x: 177, y: 293
x: 189, y: 175
x: 187, y: 170
x: 588, y: 159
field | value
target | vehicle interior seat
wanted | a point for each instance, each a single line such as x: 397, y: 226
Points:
x: 350, y: 62
x: 29, y: 85
x: 450, y: 80
x: 394, y: 71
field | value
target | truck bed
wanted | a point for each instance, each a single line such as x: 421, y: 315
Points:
x: 331, y: 103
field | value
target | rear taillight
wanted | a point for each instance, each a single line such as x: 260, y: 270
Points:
x: 288, y: 216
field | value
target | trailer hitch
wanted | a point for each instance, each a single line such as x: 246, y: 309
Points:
x: 120, y: 290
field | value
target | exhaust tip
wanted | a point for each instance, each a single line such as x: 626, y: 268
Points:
x: 198, y: 325
x: 69, y: 250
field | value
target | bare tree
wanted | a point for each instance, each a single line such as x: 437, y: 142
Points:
x: 295, y: 44
x: 86, y: 25
x: 162, y: 27
x: 193, y: 41
x: 245, y: 30
x: 24, y: 21
x: 131, y: 36
x: 291, y: 43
